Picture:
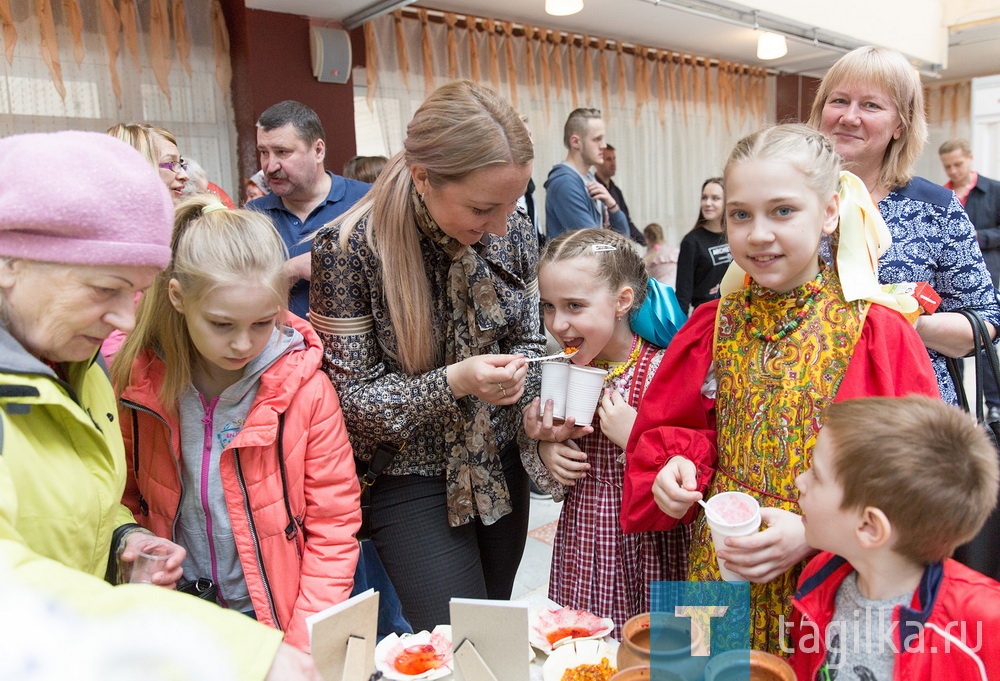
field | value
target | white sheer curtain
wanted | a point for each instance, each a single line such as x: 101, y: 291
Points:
x: 663, y: 155
x: 948, y: 117
x: 198, y: 111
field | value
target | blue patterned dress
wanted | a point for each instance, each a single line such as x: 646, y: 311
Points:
x: 934, y: 241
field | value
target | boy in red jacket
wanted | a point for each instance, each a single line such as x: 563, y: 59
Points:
x: 895, y: 485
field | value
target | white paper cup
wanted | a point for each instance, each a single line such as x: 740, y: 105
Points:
x: 555, y: 379
x: 583, y: 393
x: 731, y: 514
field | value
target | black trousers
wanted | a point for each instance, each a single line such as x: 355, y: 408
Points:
x: 430, y: 562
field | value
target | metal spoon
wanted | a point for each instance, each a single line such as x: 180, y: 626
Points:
x: 559, y: 355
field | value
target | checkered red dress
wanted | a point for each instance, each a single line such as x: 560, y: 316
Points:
x: 595, y: 566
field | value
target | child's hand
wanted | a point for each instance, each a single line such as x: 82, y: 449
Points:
x: 675, y: 487
x: 765, y: 555
x: 543, y: 427
x: 565, y: 461
x: 617, y: 417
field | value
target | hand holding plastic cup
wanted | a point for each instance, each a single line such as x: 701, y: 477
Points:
x: 586, y: 384
x: 555, y: 379
x: 731, y: 514
x: 148, y: 561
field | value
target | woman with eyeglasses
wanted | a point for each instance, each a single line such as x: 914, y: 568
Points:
x: 159, y: 146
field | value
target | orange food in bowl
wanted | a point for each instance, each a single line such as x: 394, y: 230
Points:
x: 418, y: 659
x: 590, y: 672
x: 567, y: 632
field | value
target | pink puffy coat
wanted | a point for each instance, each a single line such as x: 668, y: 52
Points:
x: 292, y: 569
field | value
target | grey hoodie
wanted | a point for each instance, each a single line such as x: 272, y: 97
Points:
x: 207, y: 428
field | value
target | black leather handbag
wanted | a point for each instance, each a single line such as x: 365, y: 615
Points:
x: 983, y: 552
x: 203, y: 588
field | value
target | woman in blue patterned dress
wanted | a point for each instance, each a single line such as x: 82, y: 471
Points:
x: 426, y: 299
x: 870, y: 103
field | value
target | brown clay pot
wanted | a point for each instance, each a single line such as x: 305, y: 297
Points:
x: 635, y: 651
x: 632, y: 674
x: 768, y: 667
x: 763, y: 667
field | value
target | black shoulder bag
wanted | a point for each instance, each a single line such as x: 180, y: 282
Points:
x: 383, y: 456
x: 983, y: 552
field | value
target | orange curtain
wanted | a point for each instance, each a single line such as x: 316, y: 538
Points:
x: 471, y: 25
x: 75, y: 21
x: 529, y: 42
x: 493, y: 59
x: 159, y: 44
x: 543, y: 38
x: 404, y: 64
x: 685, y: 80
x: 182, y: 37
x: 557, y: 74
x: 451, y: 43
x: 371, y: 65
x: 111, y: 23
x: 130, y: 28
x: 50, y: 45
x: 603, y: 68
x: 9, y: 30
x: 426, y: 53
x: 508, y: 47
x: 574, y: 82
x: 220, y: 44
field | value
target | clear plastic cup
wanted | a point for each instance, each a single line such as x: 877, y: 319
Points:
x: 555, y: 379
x: 583, y: 393
x: 147, y: 563
x: 731, y: 514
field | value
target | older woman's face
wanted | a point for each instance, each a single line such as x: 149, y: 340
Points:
x: 174, y: 179
x: 478, y: 205
x: 861, y: 120
x: 62, y: 313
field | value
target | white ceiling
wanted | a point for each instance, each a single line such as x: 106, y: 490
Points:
x: 974, y: 51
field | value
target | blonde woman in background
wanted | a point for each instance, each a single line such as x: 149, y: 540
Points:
x: 661, y: 260
x: 159, y: 147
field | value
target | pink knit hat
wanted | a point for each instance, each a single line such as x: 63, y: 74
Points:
x: 83, y: 198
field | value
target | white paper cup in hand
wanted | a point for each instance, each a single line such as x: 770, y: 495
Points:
x: 731, y: 514
x: 583, y: 393
x: 555, y: 378
x: 147, y: 563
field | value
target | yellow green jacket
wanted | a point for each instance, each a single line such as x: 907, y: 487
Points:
x: 62, y: 473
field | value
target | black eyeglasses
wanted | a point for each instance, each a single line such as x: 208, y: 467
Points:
x: 174, y: 166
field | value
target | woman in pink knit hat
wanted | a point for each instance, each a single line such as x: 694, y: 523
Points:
x: 71, y: 262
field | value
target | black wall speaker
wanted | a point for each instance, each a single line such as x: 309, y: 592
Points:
x: 331, y: 54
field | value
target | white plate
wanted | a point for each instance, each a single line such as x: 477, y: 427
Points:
x: 392, y: 645
x: 573, y: 654
x: 541, y: 623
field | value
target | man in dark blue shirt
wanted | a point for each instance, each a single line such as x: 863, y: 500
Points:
x: 304, y: 195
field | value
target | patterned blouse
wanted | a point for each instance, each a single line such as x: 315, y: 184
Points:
x: 934, y: 241
x: 380, y: 402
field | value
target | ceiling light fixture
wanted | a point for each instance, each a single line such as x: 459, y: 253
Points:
x: 771, y: 46
x: 562, y: 8
x: 739, y: 15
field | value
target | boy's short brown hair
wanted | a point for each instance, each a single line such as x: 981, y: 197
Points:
x: 926, y: 464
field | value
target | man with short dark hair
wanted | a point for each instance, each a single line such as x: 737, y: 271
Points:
x: 574, y: 199
x: 304, y: 195
x: 981, y: 198
x: 604, y: 172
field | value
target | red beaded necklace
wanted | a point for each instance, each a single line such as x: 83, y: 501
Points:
x: 803, y: 302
